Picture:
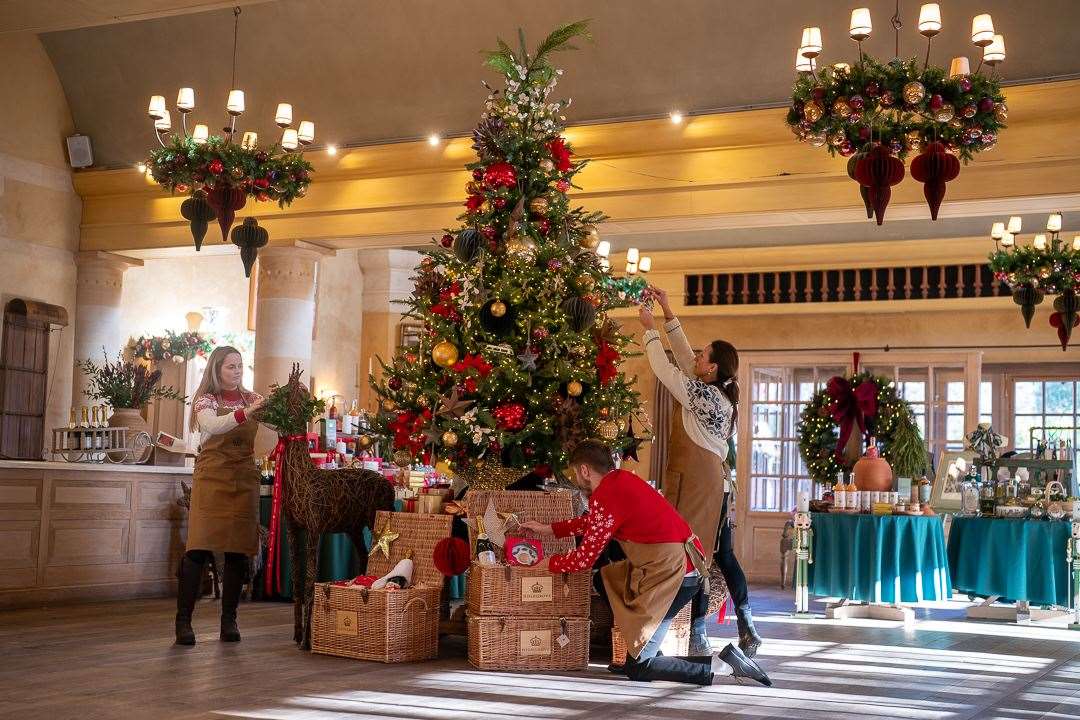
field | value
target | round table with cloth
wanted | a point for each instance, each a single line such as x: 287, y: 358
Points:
x: 1016, y: 560
x: 879, y: 558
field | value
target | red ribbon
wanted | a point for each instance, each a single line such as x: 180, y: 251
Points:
x: 272, y: 575
x: 851, y: 406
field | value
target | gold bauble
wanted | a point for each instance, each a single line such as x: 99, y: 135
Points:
x: 585, y: 282
x: 913, y: 140
x: 547, y: 165
x: 608, y: 430
x: 449, y: 438
x: 816, y: 139
x: 485, y: 207
x: 574, y: 388
x: 389, y: 405
x: 445, y: 354
x: 837, y: 138
x: 813, y: 111
x: 841, y: 108
x: 591, y: 238
x: 423, y: 401
x: 365, y: 441
x: 604, y: 412
x: 1001, y: 113
x: 914, y: 92
x: 521, y: 247
x: 539, y: 205
x: 945, y: 113
x: 498, y: 308
x: 474, y: 188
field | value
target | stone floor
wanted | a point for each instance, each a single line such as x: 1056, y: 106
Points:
x: 116, y: 660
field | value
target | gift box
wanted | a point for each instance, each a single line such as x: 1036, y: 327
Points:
x: 386, y: 625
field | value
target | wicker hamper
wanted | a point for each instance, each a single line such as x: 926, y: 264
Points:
x: 516, y: 643
x: 526, y: 592
x: 388, y: 626
x: 545, y: 507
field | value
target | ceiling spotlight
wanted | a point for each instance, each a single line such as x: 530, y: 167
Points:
x: 676, y: 117
x: 141, y: 167
x: 433, y: 139
x: 331, y: 149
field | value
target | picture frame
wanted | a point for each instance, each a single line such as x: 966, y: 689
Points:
x: 945, y: 494
x: 409, y: 334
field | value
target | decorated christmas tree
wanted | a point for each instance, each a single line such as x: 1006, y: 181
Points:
x: 517, y: 360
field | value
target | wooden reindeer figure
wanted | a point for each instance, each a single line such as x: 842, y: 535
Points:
x: 322, y: 501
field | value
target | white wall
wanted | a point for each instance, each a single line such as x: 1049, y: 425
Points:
x: 335, y: 352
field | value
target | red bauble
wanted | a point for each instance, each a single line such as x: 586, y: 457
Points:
x: 488, y: 232
x: 936, y: 102
x: 543, y: 226
x: 528, y: 451
x: 447, y: 240
x: 499, y: 203
x: 872, y: 89
x: 510, y: 416
x: 933, y: 168
x: 965, y: 84
x: 261, y: 183
x: 451, y: 556
x: 216, y: 167
x: 494, y: 447
x: 878, y: 172
x: 501, y: 174
x: 986, y: 105
x: 562, y: 185
x: 478, y: 174
x: 818, y: 92
x: 540, y: 333
x: 394, y: 383
x: 855, y: 102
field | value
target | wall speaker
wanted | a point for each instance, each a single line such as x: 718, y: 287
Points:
x: 80, y: 154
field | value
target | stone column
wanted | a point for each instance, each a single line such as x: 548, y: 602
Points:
x: 98, y: 288
x: 285, y: 311
x: 387, y: 279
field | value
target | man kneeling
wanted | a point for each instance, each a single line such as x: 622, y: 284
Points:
x: 663, y: 571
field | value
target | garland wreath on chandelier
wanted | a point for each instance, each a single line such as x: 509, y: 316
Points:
x: 848, y: 409
x: 173, y: 346
x: 877, y: 113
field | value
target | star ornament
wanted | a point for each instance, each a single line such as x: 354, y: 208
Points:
x: 383, y: 541
x: 528, y: 359
x: 494, y: 525
x: 453, y: 406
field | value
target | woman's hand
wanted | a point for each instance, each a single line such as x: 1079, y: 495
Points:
x: 645, y: 314
x: 536, y: 527
x: 662, y: 298
x: 255, y: 409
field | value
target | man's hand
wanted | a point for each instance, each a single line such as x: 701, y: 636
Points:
x: 536, y: 527
x: 645, y: 314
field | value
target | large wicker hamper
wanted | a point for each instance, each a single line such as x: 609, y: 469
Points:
x: 388, y: 626
x: 517, y: 643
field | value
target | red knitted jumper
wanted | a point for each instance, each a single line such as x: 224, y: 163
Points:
x: 625, y: 507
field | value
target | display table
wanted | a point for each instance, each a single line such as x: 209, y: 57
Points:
x: 888, y: 559
x: 1020, y: 561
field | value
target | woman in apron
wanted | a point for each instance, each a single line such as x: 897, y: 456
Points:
x: 224, y: 491
x: 697, y: 480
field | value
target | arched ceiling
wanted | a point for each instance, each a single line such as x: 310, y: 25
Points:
x: 369, y: 71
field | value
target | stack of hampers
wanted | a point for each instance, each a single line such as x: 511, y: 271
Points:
x: 386, y: 625
x: 521, y: 617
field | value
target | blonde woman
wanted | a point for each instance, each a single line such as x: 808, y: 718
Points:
x: 224, y: 490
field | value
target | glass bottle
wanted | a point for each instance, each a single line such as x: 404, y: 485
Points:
x: 840, y: 492
x: 485, y: 549
x: 987, y: 495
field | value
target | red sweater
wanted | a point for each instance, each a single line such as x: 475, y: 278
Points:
x: 625, y: 507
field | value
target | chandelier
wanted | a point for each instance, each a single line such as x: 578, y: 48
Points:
x: 220, y: 174
x: 633, y: 285
x: 1046, y: 266
x: 877, y: 113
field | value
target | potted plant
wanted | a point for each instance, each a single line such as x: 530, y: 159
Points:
x: 127, y: 387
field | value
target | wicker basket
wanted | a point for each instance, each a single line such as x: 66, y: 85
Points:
x: 676, y: 642
x: 602, y: 620
x: 384, y: 625
x: 545, y: 507
x: 516, y: 643
x: 526, y: 592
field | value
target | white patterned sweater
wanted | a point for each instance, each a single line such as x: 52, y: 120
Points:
x: 207, y: 406
x: 706, y: 411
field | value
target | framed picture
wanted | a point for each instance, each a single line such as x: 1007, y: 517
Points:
x: 945, y: 495
x: 409, y: 334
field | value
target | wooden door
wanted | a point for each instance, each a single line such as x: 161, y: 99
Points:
x: 24, y: 364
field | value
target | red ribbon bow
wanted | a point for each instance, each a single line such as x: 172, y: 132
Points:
x: 851, y: 406
x: 272, y: 576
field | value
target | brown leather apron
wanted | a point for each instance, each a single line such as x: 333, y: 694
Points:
x: 641, y: 588
x: 224, y: 515
x: 694, y: 483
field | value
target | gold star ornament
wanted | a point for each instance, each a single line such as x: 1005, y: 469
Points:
x: 383, y: 541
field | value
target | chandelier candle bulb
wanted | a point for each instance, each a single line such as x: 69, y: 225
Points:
x: 803, y: 63
x: 283, y: 116
x: 1076, y: 243
x: 997, y: 231
x: 185, y: 100
x: 841, y: 67
x: 994, y: 53
x: 929, y: 20
x: 1007, y: 240
x: 1014, y: 224
x: 306, y: 133
x: 1039, y: 242
x: 1053, y: 223
x: 631, y: 268
x: 811, y: 42
x: 632, y: 255
x: 289, y: 140
x: 861, y: 25
x: 164, y: 123
x: 603, y: 249
x: 645, y: 265
x: 235, y: 103
x: 959, y: 67
x: 982, y: 30
x: 200, y: 134
x: 156, y: 110
x: 250, y: 140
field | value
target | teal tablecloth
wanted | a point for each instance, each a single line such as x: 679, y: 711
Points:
x: 1013, y: 559
x: 881, y: 559
x: 337, y: 560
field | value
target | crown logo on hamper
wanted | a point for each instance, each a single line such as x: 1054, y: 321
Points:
x: 345, y: 623
x: 536, y: 589
x: 535, y: 643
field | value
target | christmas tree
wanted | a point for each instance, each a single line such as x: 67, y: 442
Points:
x: 518, y: 360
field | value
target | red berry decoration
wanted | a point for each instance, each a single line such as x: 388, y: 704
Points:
x: 562, y: 185
x: 447, y: 240
x: 488, y: 232
x: 216, y: 167
x: 262, y: 197
x: 544, y: 226
x: 933, y: 168
x: 540, y: 333
x: 394, y: 383
x: 499, y: 203
x: 878, y: 172
x: 510, y: 416
x: 872, y: 89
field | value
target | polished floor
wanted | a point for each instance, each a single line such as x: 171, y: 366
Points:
x: 115, y: 660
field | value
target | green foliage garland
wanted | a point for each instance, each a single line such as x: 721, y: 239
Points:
x: 275, y: 413
x: 1052, y: 270
x: 170, y: 346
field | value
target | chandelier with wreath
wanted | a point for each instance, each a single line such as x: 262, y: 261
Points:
x: 220, y: 174
x: 877, y: 113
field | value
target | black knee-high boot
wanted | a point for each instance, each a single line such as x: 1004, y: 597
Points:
x: 187, y: 594
x: 236, y: 568
x: 749, y: 640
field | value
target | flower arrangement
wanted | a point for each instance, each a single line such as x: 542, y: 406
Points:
x: 125, y: 383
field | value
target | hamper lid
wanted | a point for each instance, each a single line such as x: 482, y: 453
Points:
x: 417, y: 532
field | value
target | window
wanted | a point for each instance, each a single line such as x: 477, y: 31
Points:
x: 1044, y: 410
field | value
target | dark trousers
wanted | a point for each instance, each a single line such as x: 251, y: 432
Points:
x: 237, y: 560
x: 725, y: 559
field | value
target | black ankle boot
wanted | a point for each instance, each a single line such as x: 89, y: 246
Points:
x: 231, y: 586
x: 742, y: 666
x: 187, y: 594
x: 749, y: 640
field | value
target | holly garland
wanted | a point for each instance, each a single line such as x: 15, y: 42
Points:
x: 900, y: 105
x: 183, y: 166
x: 517, y: 361
x: 177, y: 347
x: 865, y: 403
